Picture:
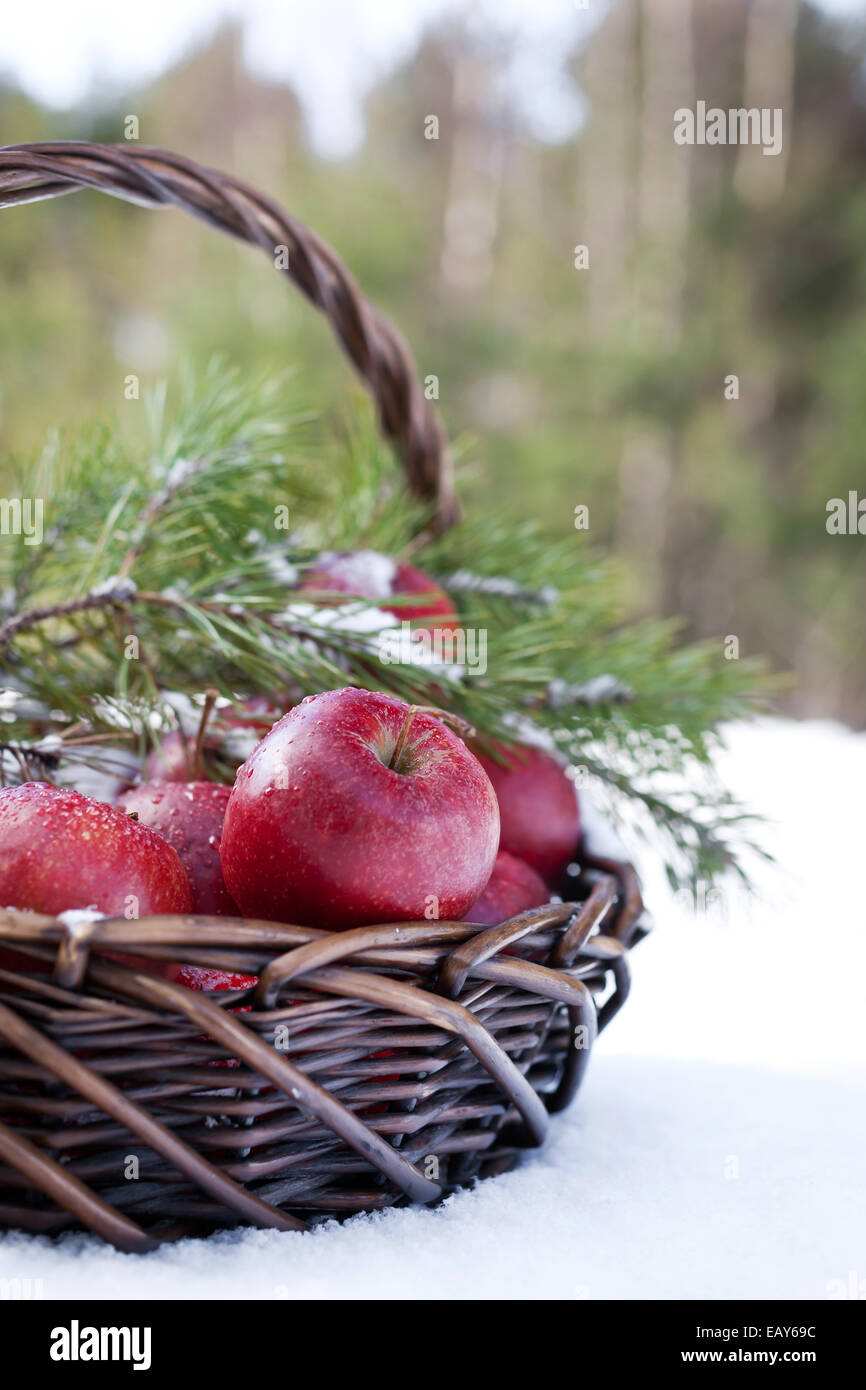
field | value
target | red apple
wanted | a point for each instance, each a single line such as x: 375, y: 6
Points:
x: 367, y: 574
x: 190, y: 816
x: 172, y: 758
x: 207, y: 977
x: 512, y: 887
x: 537, y: 808
x: 203, y: 977
x: 61, y: 850
x: 357, y: 809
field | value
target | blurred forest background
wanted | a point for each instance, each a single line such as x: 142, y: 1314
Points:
x: 602, y: 386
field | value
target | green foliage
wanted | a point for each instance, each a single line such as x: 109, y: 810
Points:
x: 565, y: 382
x: 169, y: 567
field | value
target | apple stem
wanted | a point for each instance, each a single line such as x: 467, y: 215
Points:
x: 210, y: 699
x: 461, y: 726
x: 401, y: 738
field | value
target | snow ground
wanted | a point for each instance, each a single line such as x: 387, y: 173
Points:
x: 716, y: 1149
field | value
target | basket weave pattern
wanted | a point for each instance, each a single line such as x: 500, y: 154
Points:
x: 367, y: 1068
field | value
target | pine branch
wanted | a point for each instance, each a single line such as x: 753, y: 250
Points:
x: 173, y: 567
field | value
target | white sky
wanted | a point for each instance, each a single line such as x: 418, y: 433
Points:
x: 330, y: 51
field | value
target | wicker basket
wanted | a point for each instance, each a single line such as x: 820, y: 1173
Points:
x: 367, y: 1068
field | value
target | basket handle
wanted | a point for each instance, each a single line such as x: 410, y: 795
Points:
x: 153, y: 177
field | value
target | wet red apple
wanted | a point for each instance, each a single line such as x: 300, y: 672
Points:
x: 189, y: 815
x: 356, y: 808
x: 206, y: 977
x: 61, y: 850
x: 537, y: 807
x: 512, y: 888
x: 172, y: 758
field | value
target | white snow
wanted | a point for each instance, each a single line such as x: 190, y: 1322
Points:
x: 51, y: 743
x: 77, y: 917
x: 180, y: 472
x: 716, y: 1148
x: 120, y: 588
x: 351, y: 616
x: 592, y: 692
x: 533, y: 735
x: 367, y: 572
x: 466, y: 581
x: 280, y: 569
x: 601, y: 835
